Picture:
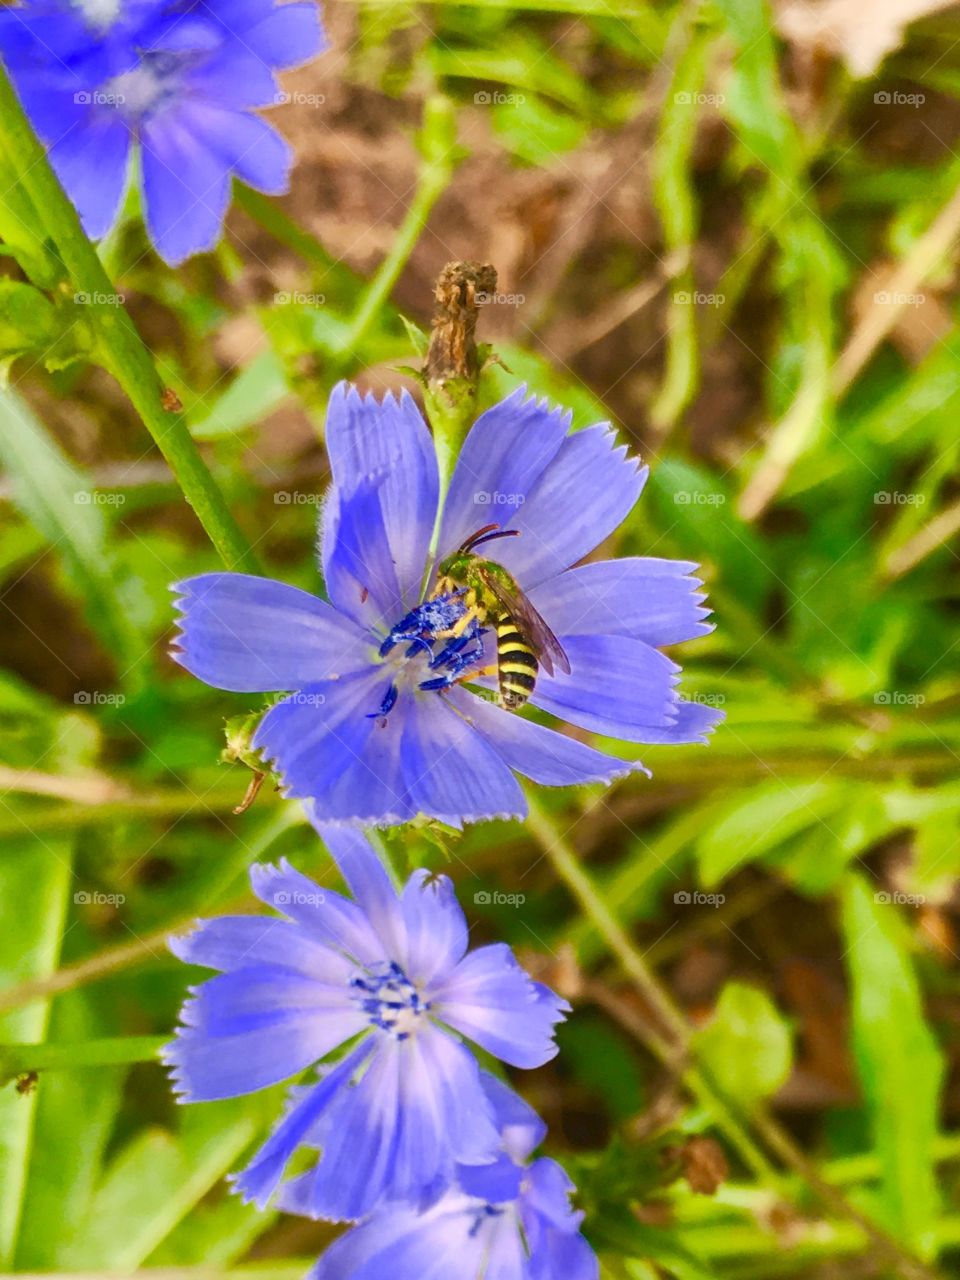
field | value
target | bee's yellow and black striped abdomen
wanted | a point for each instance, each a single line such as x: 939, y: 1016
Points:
x: 516, y: 665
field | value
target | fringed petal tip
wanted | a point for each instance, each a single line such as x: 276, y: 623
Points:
x: 179, y: 943
x: 524, y: 398
x: 240, y: 1185
x: 179, y: 1084
x: 348, y: 392
x: 618, y: 770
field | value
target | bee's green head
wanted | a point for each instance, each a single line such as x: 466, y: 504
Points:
x: 455, y: 565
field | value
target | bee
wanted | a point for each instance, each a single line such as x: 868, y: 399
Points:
x: 524, y: 641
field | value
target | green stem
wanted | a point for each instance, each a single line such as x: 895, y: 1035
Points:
x: 19, y: 1059
x: 120, y: 347
x: 437, y: 145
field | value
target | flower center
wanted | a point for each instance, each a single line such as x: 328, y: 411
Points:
x: 146, y: 87
x: 389, y: 999
x: 432, y: 647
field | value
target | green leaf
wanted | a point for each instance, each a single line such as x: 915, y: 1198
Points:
x: 258, y: 389
x: 158, y: 1177
x: 746, y: 1046
x: 533, y: 130
x: 758, y: 820
x: 35, y: 877
x: 76, y: 1111
x: 899, y: 1063
x: 28, y: 318
x: 61, y: 502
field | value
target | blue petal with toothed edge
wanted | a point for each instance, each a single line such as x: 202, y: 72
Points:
x: 657, y: 601
x: 358, y: 568
x: 262, y: 1176
x: 618, y: 686
x: 370, y: 790
x: 589, y: 488
x: 506, y: 452
x: 255, y: 1027
x: 322, y: 914
x: 237, y: 942
x: 491, y: 1000
x: 417, y: 1111
x: 311, y: 737
x: 694, y: 723
x: 423, y: 928
x: 388, y: 438
x: 369, y: 884
x: 452, y: 774
x: 256, y: 635
x: 539, y: 753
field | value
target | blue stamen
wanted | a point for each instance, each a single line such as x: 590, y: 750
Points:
x: 389, y: 999
x: 387, y: 705
x: 421, y: 629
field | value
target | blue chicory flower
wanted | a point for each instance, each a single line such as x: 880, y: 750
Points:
x: 509, y: 1220
x: 386, y: 980
x: 380, y: 726
x: 181, y: 78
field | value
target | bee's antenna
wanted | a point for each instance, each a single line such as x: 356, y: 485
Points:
x: 487, y: 534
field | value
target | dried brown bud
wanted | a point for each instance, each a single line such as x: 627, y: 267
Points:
x: 459, y: 293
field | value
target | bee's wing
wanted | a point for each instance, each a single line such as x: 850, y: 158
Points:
x: 532, y: 627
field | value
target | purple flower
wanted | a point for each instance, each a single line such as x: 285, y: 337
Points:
x: 509, y: 1220
x: 385, y: 981
x: 179, y: 77
x: 380, y: 726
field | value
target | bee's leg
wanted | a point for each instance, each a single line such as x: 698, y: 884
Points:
x: 473, y: 614
x: 478, y: 675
